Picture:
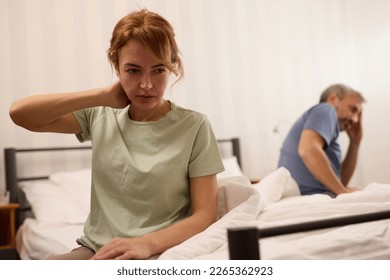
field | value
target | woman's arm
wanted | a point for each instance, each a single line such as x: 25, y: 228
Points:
x: 204, y: 212
x: 54, y: 112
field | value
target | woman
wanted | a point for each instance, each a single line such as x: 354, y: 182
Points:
x: 154, y: 163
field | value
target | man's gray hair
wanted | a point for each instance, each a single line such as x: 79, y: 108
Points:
x: 341, y: 91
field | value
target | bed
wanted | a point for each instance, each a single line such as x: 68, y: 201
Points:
x: 267, y: 220
x: 54, y: 206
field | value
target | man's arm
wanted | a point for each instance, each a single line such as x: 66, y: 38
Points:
x: 355, y: 134
x: 349, y: 163
x: 311, y: 151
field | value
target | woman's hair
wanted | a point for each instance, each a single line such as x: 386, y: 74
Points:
x: 154, y: 32
x: 341, y: 91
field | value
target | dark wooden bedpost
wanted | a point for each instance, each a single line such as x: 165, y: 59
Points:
x: 11, y: 182
x: 10, y: 174
x: 237, y: 150
x: 244, y: 243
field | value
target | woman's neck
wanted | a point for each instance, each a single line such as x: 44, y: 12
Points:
x: 150, y: 115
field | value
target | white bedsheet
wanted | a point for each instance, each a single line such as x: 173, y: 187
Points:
x: 38, y: 241
x: 282, y: 205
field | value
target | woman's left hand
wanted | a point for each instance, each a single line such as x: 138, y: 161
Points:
x: 124, y: 249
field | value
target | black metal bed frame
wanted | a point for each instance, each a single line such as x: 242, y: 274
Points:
x: 244, y: 241
x: 236, y: 149
x: 12, y: 178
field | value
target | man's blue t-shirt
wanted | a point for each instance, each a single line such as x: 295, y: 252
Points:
x: 321, y: 118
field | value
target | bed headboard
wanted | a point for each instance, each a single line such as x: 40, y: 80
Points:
x: 12, y: 177
x: 234, y: 145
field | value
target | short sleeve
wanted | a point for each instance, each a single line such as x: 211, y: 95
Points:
x: 83, y: 118
x: 323, y: 120
x: 205, y: 156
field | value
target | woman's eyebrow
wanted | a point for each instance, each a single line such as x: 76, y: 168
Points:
x: 137, y: 66
x: 158, y: 65
x: 132, y: 64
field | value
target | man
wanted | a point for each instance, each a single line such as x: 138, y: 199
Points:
x: 311, y: 152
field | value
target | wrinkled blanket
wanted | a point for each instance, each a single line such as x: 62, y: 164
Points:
x: 276, y: 200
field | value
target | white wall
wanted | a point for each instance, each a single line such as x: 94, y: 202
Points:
x: 251, y: 66
x: 370, y: 29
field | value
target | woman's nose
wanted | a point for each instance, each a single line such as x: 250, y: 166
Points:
x: 146, y: 83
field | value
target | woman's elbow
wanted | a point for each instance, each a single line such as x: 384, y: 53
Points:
x: 210, y: 217
x: 206, y: 219
x: 16, y: 114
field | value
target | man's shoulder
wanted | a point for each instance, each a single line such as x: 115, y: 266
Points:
x: 322, y: 111
x: 323, y: 106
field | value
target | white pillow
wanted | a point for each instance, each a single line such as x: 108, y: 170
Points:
x: 231, y: 168
x: 77, y: 189
x: 63, y: 199
x: 277, y: 185
x: 233, y: 191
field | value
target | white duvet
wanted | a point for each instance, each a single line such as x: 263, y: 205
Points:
x: 276, y: 201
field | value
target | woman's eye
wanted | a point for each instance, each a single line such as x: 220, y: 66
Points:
x: 159, y: 70
x: 132, y: 71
